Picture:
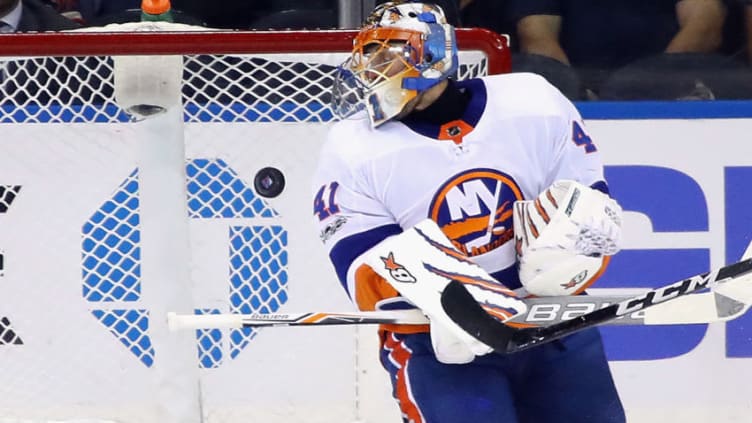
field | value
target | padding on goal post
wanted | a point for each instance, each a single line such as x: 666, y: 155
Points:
x: 108, y: 220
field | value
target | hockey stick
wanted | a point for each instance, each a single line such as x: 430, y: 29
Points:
x: 215, y: 321
x: 699, y: 308
x: 734, y: 300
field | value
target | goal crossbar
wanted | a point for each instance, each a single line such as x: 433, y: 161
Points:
x: 494, y: 45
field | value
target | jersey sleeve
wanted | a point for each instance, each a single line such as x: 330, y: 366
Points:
x: 350, y: 220
x: 575, y: 154
x: 576, y: 157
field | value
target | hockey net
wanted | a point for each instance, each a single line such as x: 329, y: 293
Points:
x: 107, y: 222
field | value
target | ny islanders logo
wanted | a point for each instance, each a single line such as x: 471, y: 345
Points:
x: 474, y: 209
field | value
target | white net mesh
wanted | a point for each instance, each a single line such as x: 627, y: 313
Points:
x: 82, y: 289
x: 270, y: 87
x: 215, y: 89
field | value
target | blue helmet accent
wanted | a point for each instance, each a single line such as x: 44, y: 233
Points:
x: 434, y: 50
x: 427, y: 17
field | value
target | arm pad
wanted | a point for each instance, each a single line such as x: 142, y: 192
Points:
x: 419, y: 263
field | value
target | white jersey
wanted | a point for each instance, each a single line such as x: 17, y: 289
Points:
x: 518, y: 135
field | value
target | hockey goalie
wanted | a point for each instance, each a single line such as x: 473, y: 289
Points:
x: 492, y: 182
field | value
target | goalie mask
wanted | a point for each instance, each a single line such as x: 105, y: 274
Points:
x: 403, y: 50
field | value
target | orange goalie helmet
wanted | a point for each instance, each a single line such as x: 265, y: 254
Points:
x: 401, y: 51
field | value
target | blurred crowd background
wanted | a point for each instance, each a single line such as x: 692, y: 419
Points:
x: 590, y: 49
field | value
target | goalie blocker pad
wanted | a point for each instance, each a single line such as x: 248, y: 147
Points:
x: 419, y: 263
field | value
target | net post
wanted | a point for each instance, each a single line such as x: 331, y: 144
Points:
x: 150, y: 89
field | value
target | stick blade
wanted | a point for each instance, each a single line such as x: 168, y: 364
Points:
x: 465, y: 311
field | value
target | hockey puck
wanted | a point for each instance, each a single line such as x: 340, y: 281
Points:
x: 269, y: 182
x: 145, y: 110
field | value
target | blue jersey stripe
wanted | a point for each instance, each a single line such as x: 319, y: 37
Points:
x: 602, y: 187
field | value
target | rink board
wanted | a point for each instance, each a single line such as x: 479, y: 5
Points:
x: 682, y: 176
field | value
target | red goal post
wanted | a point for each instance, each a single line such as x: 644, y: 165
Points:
x: 107, y: 223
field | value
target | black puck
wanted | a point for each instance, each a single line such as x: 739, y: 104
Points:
x: 269, y: 182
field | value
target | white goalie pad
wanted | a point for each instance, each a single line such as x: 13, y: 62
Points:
x: 562, y: 237
x: 419, y: 263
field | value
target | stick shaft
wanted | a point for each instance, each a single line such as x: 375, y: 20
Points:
x: 217, y: 321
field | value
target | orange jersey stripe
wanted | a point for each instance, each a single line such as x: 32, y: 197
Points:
x: 400, y: 355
